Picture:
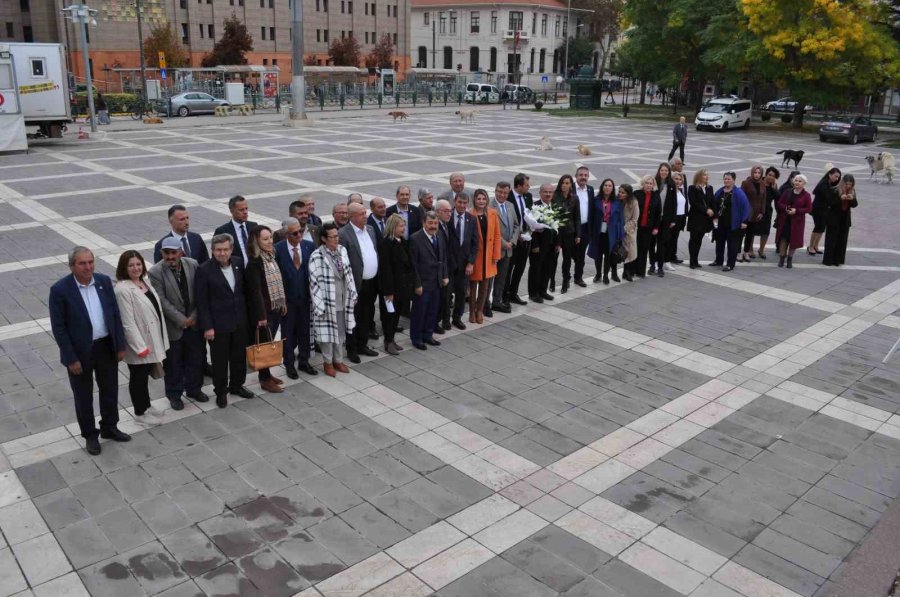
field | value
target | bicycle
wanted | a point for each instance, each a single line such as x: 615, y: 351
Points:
x: 142, y: 109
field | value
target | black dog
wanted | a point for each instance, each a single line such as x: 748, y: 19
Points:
x: 790, y: 154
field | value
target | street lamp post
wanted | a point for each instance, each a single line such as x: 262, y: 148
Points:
x: 138, y: 6
x: 297, y: 112
x: 433, y: 42
x: 81, y: 15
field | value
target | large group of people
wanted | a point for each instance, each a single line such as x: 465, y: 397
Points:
x: 319, y: 284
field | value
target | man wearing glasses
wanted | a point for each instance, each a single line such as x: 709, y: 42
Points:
x: 292, y: 255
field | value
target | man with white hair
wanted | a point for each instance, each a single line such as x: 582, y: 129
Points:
x: 426, y: 201
x: 457, y: 188
x: 359, y: 240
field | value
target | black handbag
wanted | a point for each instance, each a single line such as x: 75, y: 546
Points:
x: 619, y: 250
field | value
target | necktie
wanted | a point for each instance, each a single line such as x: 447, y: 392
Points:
x: 243, y: 237
x: 503, y: 211
x: 297, y: 257
x: 434, y: 242
x: 185, y: 246
x: 459, y: 228
x: 381, y: 226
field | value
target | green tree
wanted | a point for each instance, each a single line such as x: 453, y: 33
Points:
x: 163, y: 39
x: 824, y: 51
x: 382, y: 53
x: 233, y: 46
x: 602, y: 25
x: 344, y: 52
x: 581, y: 51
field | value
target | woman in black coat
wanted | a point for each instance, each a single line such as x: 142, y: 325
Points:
x: 837, y: 221
x: 827, y: 186
x: 566, y: 200
x: 764, y: 225
x: 649, y: 221
x: 665, y: 187
x: 266, y: 299
x: 701, y: 199
x: 396, y: 278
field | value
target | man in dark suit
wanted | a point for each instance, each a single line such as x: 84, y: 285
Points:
x: 585, y: 194
x: 313, y: 218
x: 521, y: 200
x: 88, y: 329
x: 679, y: 138
x: 292, y: 256
x: 443, y: 210
x: 192, y: 244
x: 426, y: 202
x: 222, y: 315
x: 429, y: 261
x: 362, y: 249
x: 377, y: 219
x: 457, y: 187
x: 544, y: 247
x: 299, y: 210
x: 464, y: 246
x: 239, y: 228
x: 410, y: 215
x: 173, y: 280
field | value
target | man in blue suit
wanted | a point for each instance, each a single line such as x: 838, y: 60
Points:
x: 192, y: 244
x: 239, y: 227
x: 292, y: 255
x: 88, y: 329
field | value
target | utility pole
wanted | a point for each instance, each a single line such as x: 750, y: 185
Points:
x: 138, y: 4
x: 433, y: 42
x: 80, y: 15
x: 297, y: 114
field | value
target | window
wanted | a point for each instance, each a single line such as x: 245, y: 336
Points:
x: 473, y: 60
x: 319, y: 35
x: 343, y: 34
x: 515, y: 20
x: 388, y: 10
x: 27, y: 34
x: 274, y: 61
x: 448, y: 57
x: 367, y: 37
x: 366, y: 7
x: 374, y: 39
x: 513, y: 64
x: 423, y: 57
x: 558, y: 22
x: 350, y: 7
x: 38, y: 68
x: 231, y: 2
x: 372, y: 11
x: 493, y: 65
x: 475, y: 21
x: 211, y: 31
x: 325, y: 35
x: 183, y: 4
x: 262, y: 33
x: 566, y: 28
x: 262, y: 3
x: 395, y: 39
x: 534, y: 23
x: 543, y: 60
x: 324, y: 5
x: 24, y: 5
x: 343, y: 7
x: 272, y: 5
x: 201, y: 31
x: 317, y: 5
x: 265, y: 62
x: 184, y: 33
x: 272, y: 33
x: 443, y: 26
x: 544, y: 25
x: 452, y: 23
x: 10, y: 32
x: 493, y: 21
x: 240, y: 2
x: 531, y: 62
x: 427, y: 20
x: 350, y: 34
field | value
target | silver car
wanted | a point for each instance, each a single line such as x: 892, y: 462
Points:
x: 195, y: 102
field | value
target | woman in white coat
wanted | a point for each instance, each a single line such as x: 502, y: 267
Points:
x: 146, y: 340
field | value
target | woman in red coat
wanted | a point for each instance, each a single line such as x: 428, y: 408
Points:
x: 792, y: 207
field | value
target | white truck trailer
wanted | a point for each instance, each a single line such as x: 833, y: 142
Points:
x: 42, y: 85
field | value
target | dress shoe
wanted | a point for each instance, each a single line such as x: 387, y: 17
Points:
x: 596, y: 278
x: 308, y: 369
x: 278, y: 380
x: 628, y: 277
x: 696, y: 266
x: 606, y: 280
x: 373, y: 335
x: 552, y: 285
x: 222, y: 400
x: 242, y: 392
x: 439, y: 330
x: 431, y: 342
x: 354, y: 358
x: 198, y: 397
x: 790, y: 262
x: 270, y: 386
x: 92, y: 445
x: 458, y: 324
x: 661, y: 273
x: 400, y: 329
x: 536, y: 299
x: 781, y: 260
x: 715, y: 264
x: 341, y: 368
x: 547, y: 296
x: 176, y: 403
x: 515, y: 298
x: 445, y: 325
x: 678, y: 261
x: 369, y: 352
x: 565, y: 287
x: 396, y: 346
x: 115, y: 435
x: 501, y: 308
x: 420, y: 346
x: 291, y: 372
x: 615, y: 277
x: 488, y: 312
x: 389, y: 348
x: 329, y: 370
x: 727, y: 268
x: 652, y: 270
x: 580, y: 282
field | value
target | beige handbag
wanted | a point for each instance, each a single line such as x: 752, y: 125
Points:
x: 264, y: 355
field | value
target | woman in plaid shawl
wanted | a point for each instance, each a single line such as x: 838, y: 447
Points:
x: 265, y: 296
x: 333, y: 296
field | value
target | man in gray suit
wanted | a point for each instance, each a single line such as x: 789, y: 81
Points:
x: 173, y: 280
x: 362, y: 249
x: 510, y: 229
x: 679, y: 138
x: 429, y: 260
x: 457, y: 187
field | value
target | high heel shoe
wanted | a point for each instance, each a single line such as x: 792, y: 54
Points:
x: 810, y: 252
x: 781, y: 259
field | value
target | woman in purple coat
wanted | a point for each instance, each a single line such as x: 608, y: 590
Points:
x: 792, y: 207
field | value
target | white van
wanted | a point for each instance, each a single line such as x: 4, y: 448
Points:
x: 723, y: 113
x: 481, y: 93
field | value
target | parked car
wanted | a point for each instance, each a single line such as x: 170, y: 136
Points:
x: 848, y: 128
x: 195, y: 102
x: 521, y: 93
x: 481, y: 93
x: 786, y: 104
x: 722, y: 113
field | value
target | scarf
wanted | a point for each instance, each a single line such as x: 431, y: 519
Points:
x: 336, y: 260
x: 274, y: 284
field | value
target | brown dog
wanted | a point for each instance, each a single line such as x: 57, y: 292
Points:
x: 398, y: 114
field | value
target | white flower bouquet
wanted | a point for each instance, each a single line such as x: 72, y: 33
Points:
x: 550, y: 216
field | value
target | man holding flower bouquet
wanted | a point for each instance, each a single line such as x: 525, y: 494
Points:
x: 543, y: 219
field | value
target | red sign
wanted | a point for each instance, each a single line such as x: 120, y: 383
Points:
x: 2, y: 99
x: 270, y: 85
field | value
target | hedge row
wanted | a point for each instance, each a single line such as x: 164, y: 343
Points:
x: 115, y: 102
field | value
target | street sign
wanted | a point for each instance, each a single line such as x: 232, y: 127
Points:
x: 545, y: 79
x: 162, y: 74
x: 162, y: 61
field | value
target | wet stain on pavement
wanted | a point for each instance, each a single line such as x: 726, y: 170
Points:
x: 236, y: 543
x: 317, y: 572
x: 198, y: 567
x: 154, y: 566
x: 115, y: 571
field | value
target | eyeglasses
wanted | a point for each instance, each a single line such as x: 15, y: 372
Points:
x: 294, y: 233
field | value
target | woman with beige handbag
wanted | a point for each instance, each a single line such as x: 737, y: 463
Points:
x: 267, y: 304
x: 146, y: 339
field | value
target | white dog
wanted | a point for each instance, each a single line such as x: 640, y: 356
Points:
x: 883, y: 161
x: 545, y: 144
x: 467, y: 116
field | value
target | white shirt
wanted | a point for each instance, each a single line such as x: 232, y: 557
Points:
x: 94, y: 308
x: 367, y: 249
x: 229, y: 276
x: 680, y: 202
x: 239, y: 242
x: 582, y: 193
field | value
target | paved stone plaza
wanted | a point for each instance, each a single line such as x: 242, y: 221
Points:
x: 705, y: 434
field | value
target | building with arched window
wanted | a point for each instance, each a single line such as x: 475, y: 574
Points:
x: 518, y: 39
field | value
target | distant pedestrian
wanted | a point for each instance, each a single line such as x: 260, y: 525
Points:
x: 679, y: 138
x: 102, y: 109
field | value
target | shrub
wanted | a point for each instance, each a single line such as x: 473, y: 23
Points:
x: 787, y: 118
x: 115, y: 102
x: 538, y: 105
x: 766, y: 116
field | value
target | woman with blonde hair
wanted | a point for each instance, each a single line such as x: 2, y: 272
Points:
x: 649, y: 221
x: 489, y: 253
x: 701, y: 199
x: 396, y: 279
x: 792, y: 207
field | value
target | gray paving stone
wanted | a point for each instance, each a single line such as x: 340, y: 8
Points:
x: 730, y: 521
x: 360, y: 480
x: 827, y: 520
x: 842, y: 506
x: 110, y: 578
x: 591, y: 587
x: 322, y: 454
x: 197, y: 501
x: 796, y: 452
x: 777, y: 479
x: 262, y: 476
x: 75, y: 467
x: 231, y: 450
x: 227, y: 580
x: 375, y: 434
x: 231, y: 535
x: 497, y: 577
x: 544, y: 566
x: 687, y: 481
x: 168, y: 472
x: 629, y: 581
x: 134, y: 484
x: 268, y: 520
x: 202, y: 461
x: 778, y: 569
x: 705, y: 533
x: 204, y: 428
x: 312, y: 561
x: 124, y: 529
x: 113, y: 457
x: 193, y: 551
x: 154, y: 568
x: 161, y: 514
x: 260, y: 440
x: 388, y: 469
x: 406, y: 512
x: 341, y: 540
x: 331, y: 492
x: 697, y: 466
x: 271, y: 574
x: 303, y: 508
x: 459, y: 484
x: 797, y: 553
x: 84, y: 543
x: 792, y: 468
x: 577, y: 552
x: 712, y: 454
x: 374, y: 526
x: 60, y: 508
x: 414, y: 457
x: 855, y: 493
x: 40, y: 478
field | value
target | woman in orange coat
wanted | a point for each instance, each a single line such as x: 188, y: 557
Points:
x: 485, y: 269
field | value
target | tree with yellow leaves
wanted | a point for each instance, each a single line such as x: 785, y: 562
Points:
x: 824, y: 51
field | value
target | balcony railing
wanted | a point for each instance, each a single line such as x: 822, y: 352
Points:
x: 510, y: 35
